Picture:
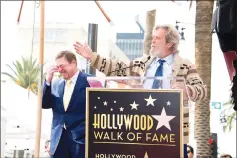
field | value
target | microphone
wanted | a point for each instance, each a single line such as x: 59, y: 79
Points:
x: 140, y: 64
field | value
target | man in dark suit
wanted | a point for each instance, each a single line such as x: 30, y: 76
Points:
x: 66, y: 97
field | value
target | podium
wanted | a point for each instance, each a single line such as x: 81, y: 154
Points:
x: 126, y: 118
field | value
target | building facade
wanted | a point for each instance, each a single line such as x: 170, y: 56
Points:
x: 131, y: 43
x: 61, y: 36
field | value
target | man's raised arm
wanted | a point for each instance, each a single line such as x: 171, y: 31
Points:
x: 111, y: 67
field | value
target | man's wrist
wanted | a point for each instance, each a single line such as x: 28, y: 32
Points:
x: 93, y: 58
x: 47, y: 83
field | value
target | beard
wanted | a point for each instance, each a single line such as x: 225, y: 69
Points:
x: 160, y: 52
x: 155, y: 53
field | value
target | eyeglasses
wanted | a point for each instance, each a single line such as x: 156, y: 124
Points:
x: 188, y: 151
x: 62, y: 66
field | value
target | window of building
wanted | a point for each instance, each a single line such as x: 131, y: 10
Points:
x: 54, y: 35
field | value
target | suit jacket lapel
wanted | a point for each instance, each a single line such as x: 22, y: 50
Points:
x: 61, y: 86
x: 76, y: 90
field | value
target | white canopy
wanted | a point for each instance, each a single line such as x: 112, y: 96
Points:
x: 19, y: 110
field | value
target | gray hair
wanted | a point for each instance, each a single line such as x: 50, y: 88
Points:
x: 172, y: 36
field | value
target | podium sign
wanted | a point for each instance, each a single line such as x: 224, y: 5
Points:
x: 134, y: 123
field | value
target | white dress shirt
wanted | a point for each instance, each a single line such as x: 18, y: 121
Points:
x: 167, y: 72
x: 74, y: 79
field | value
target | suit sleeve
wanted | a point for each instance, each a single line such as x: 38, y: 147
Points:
x: 195, y: 84
x: 118, y: 68
x: 47, y: 96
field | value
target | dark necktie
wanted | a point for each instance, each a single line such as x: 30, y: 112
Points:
x: 159, y: 72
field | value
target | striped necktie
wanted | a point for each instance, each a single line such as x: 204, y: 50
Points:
x: 159, y: 72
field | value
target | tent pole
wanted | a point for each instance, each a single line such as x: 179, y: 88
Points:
x: 41, y: 58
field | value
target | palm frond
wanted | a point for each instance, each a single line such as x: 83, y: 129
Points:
x: 12, y: 69
x: 26, y: 72
x: 230, y: 115
x: 9, y: 75
x: 18, y: 66
x: 230, y: 119
x: 227, y: 103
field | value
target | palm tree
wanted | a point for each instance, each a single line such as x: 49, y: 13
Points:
x: 203, y: 53
x: 25, y: 73
x: 229, y: 115
x: 150, y: 23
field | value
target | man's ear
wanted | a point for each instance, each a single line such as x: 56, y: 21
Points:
x: 170, y: 45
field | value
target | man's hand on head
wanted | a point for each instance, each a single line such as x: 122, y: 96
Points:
x: 50, y: 73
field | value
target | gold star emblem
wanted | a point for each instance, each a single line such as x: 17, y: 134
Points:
x: 134, y: 105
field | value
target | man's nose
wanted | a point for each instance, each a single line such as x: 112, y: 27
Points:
x: 60, y: 69
x: 153, y: 41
